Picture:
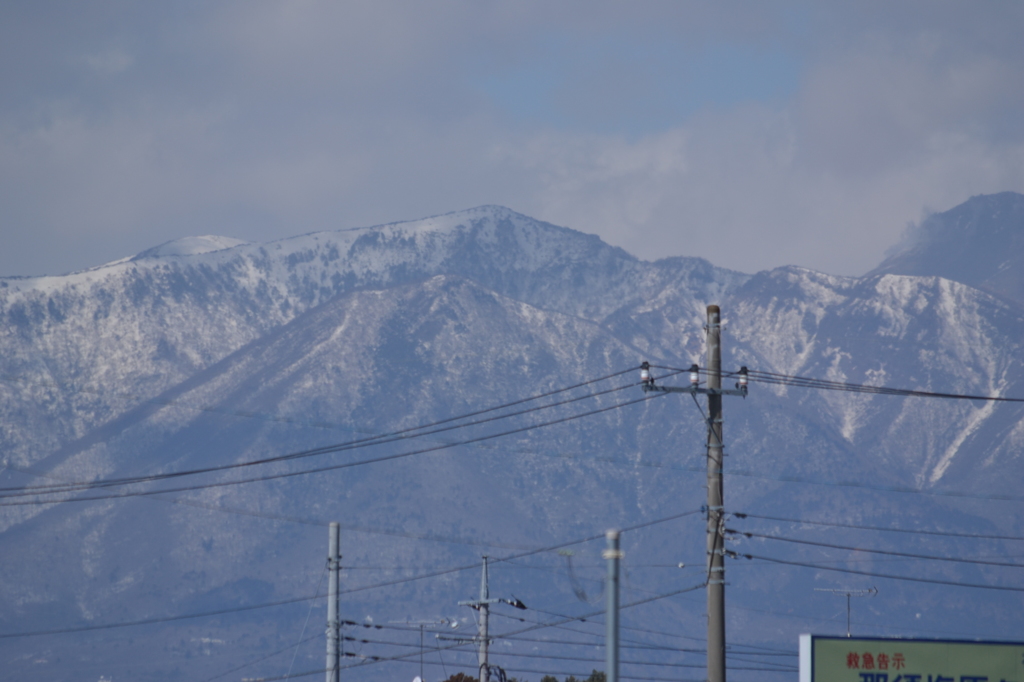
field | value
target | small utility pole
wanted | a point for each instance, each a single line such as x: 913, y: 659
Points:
x: 485, y: 611
x: 715, y: 509
x: 333, y: 625
x: 483, y: 605
x: 613, y: 554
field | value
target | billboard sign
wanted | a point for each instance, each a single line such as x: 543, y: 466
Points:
x: 871, y: 659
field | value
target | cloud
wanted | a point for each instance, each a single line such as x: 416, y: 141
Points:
x: 753, y: 136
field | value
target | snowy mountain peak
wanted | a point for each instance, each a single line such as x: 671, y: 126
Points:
x: 191, y: 246
x: 979, y: 243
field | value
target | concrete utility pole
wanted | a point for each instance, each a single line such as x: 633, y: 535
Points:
x: 613, y: 554
x: 485, y: 612
x: 716, y: 520
x: 333, y: 625
x: 715, y: 509
x: 483, y: 605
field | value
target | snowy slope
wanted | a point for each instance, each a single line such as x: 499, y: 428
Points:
x: 81, y: 348
x: 204, y: 353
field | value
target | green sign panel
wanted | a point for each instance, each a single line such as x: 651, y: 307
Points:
x: 844, y: 659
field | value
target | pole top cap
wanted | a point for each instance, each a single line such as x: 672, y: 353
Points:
x: 612, y: 534
x: 714, y: 309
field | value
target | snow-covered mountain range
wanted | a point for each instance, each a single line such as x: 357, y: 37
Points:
x: 208, y: 351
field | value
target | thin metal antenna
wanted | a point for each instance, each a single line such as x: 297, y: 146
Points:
x: 870, y: 592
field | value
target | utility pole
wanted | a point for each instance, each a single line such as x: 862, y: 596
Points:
x: 483, y: 605
x: 715, y: 508
x: 485, y: 612
x: 716, y: 520
x: 333, y: 625
x: 613, y: 554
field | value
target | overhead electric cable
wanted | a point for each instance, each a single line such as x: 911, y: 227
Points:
x: 534, y: 654
x: 263, y: 658
x: 416, y: 646
x: 377, y: 659
x: 382, y: 439
x: 928, y: 557
x: 836, y: 524
x: 542, y: 625
x: 871, y: 574
x: 314, y: 522
x: 309, y: 613
x: 290, y: 420
x: 334, y: 467
x: 583, y: 675
x: 151, y: 621
x: 824, y: 384
x: 599, y: 642
x: 363, y: 588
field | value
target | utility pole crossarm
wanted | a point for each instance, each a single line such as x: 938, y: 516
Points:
x: 648, y: 385
x: 474, y: 603
x: 461, y: 640
x: 696, y: 390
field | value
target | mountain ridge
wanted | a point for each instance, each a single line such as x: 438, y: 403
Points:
x: 224, y: 357
x: 979, y: 243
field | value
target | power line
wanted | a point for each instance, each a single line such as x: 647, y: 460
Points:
x: 323, y: 524
x: 263, y: 658
x: 760, y: 650
x: 537, y: 626
x: 782, y: 667
x: 652, y: 647
x: 167, y: 402
x: 335, y: 467
x: 879, y: 488
x: 310, y: 673
x: 152, y: 621
x: 932, y: 581
x: 382, y: 439
x: 836, y: 524
x: 362, y: 588
x: 779, y: 538
x: 378, y: 659
x: 824, y: 384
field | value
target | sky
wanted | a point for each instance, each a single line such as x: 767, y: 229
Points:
x: 754, y: 134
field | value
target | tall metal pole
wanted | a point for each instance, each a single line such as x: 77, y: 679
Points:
x: 612, y: 554
x: 715, y: 533
x: 333, y: 625
x: 485, y: 607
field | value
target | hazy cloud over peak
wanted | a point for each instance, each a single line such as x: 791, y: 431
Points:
x: 752, y: 135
